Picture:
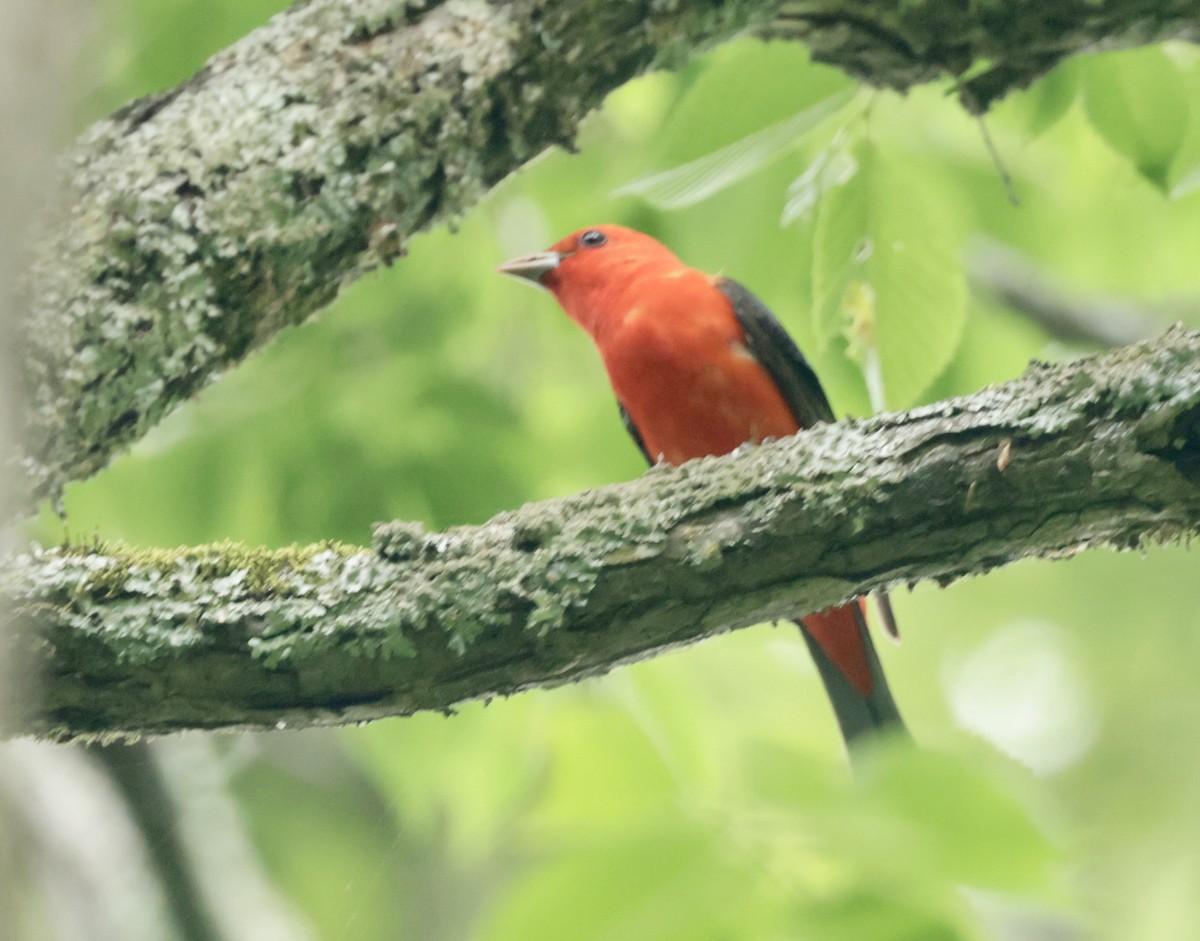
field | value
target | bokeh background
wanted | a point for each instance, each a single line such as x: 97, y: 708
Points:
x: 1055, y: 792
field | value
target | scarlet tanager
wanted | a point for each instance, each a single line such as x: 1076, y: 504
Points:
x: 699, y: 367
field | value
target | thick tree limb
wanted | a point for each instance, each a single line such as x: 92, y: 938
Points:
x: 199, y: 221
x: 1097, y: 452
x: 205, y: 218
x: 993, y: 48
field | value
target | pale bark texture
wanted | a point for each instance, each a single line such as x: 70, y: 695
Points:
x: 1098, y: 452
x: 197, y: 222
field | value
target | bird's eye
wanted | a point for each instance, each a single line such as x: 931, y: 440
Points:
x: 592, y: 238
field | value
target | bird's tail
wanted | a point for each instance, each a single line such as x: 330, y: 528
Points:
x: 850, y: 669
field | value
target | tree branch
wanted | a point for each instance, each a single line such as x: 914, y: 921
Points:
x: 205, y: 218
x: 992, y: 48
x: 199, y: 221
x: 1103, y: 451
x: 1013, y: 280
x: 133, y: 769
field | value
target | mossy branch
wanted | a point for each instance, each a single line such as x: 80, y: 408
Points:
x: 199, y: 221
x: 1103, y: 451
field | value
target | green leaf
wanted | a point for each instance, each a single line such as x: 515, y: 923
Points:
x: 698, y: 179
x: 1187, y: 182
x: 852, y: 916
x: 967, y: 822
x: 833, y: 166
x: 840, y: 246
x: 1050, y: 97
x: 1185, y: 170
x: 661, y: 882
x: 1137, y: 101
x: 887, y: 275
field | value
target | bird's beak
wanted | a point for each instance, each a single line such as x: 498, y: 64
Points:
x: 531, y: 267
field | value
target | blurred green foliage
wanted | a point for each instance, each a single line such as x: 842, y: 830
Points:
x: 704, y: 795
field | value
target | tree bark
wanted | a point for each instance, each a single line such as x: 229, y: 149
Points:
x: 1104, y: 451
x: 199, y: 221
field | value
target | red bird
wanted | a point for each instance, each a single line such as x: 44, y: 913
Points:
x: 700, y: 366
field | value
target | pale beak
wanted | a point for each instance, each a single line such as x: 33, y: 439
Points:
x: 531, y: 267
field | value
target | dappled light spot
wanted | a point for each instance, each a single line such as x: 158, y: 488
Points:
x: 1022, y: 691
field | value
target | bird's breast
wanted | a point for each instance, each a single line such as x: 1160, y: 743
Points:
x: 690, y: 385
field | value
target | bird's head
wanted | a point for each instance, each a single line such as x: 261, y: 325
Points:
x: 590, y: 269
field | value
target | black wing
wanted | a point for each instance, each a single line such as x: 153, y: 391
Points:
x: 634, y: 433
x: 777, y: 352
x: 770, y: 344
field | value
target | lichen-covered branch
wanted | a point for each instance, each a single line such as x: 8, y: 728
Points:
x: 199, y: 221
x: 992, y: 48
x: 202, y: 220
x: 1098, y: 452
